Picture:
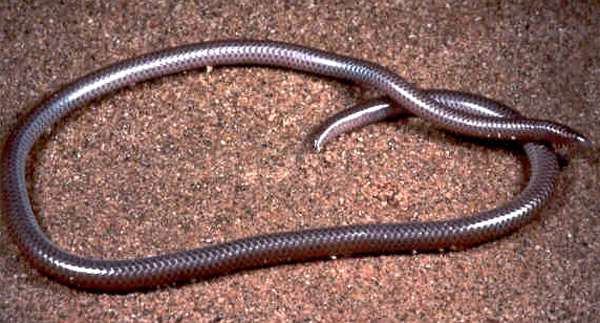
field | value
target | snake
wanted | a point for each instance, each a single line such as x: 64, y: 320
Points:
x: 461, y: 113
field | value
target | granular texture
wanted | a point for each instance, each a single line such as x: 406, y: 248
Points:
x: 164, y: 159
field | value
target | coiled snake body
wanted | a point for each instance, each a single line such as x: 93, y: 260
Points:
x: 458, y: 112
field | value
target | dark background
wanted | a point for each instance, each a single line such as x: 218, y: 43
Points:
x: 209, y: 156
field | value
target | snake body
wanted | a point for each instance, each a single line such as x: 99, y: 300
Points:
x: 457, y: 112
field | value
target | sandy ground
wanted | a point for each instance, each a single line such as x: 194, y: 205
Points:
x: 209, y: 156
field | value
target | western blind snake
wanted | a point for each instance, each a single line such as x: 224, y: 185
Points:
x: 454, y: 111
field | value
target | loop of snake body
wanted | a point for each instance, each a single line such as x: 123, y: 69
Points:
x: 454, y: 111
